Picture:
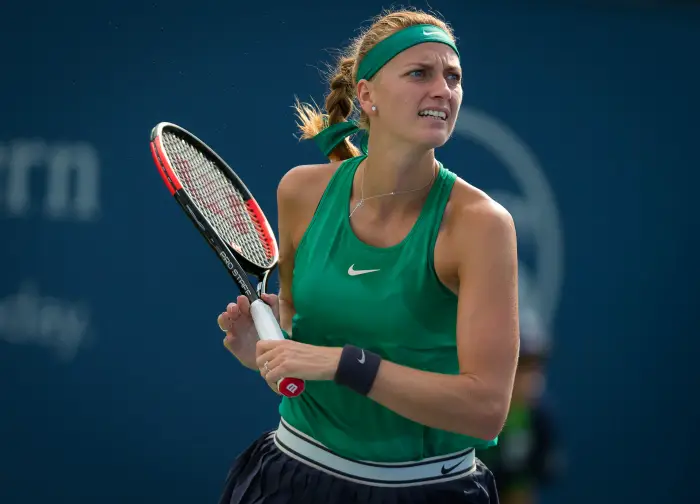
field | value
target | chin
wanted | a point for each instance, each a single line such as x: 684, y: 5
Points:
x: 433, y: 137
x: 426, y: 138
x: 433, y: 141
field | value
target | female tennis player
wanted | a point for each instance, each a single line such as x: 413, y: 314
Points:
x: 398, y: 295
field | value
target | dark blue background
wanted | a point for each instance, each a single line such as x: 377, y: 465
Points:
x: 150, y: 408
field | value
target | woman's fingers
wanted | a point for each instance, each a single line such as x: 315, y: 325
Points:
x: 273, y: 301
x: 222, y: 321
x: 243, y: 306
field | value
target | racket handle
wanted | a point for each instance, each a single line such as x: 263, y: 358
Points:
x: 290, y: 387
x: 265, y: 321
x: 268, y: 329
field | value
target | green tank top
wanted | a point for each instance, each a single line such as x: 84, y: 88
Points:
x: 400, y: 311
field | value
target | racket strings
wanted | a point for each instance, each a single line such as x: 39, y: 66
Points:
x: 259, y: 222
x: 219, y: 200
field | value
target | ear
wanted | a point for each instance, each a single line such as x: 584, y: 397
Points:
x: 365, y: 96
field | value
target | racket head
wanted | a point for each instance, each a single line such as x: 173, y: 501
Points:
x: 205, y: 185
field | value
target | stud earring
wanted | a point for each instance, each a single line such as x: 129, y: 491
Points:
x: 374, y: 108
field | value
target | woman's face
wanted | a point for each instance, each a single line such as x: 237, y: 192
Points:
x: 418, y: 94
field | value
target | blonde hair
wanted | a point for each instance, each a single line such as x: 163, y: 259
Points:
x: 340, y: 100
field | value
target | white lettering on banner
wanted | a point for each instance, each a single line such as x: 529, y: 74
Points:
x: 71, y: 173
x: 535, y: 212
x: 28, y: 318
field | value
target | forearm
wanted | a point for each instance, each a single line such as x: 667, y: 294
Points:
x: 455, y: 403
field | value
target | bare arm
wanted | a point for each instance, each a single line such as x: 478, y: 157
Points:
x: 298, y: 194
x: 475, y: 402
x: 285, y: 219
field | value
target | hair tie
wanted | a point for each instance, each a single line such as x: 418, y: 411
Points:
x: 331, y: 136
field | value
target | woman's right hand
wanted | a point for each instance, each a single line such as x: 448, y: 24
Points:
x: 241, y: 335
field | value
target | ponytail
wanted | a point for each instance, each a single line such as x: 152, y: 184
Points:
x: 339, y: 107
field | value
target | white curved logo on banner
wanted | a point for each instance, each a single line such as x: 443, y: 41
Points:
x: 534, y: 210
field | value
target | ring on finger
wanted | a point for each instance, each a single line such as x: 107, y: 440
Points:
x: 267, y: 369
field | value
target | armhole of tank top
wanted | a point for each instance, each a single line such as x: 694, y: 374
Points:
x: 448, y: 181
x: 322, y: 200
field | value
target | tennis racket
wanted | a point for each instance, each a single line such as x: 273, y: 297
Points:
x: 224, y: 211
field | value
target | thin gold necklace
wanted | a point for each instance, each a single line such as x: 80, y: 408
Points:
x: 392, y: 193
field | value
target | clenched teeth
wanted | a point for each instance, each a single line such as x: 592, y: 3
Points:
x: 434, y: 113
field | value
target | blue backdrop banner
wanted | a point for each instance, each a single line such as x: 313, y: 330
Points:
x: 114, y: 384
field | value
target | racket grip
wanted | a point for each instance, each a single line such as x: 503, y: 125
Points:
x: 265, y: 321
x: 268, y: 329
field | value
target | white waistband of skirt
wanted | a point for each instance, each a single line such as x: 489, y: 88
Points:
x: 432, y: 470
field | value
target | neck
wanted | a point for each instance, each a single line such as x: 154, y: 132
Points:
x: 397, y: 169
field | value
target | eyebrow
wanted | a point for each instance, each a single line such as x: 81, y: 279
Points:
x: 427, y: 64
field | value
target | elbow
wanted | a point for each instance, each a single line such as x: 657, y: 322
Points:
x: 487, y: 421
x: 492, y: 422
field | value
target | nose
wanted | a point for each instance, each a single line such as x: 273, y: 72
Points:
x: 441, y: 88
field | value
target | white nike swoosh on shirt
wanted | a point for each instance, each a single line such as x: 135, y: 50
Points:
x: 353, y: 272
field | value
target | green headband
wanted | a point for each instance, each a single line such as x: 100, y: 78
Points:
x: 331, y: 136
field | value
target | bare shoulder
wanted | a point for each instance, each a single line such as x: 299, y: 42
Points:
x: 304, y: 181
x: 473, y: 214
x: 477, y: 233
x: 298, y: 194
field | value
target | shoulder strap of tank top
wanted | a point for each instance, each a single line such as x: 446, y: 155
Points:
x: 337, y: 191
x: 437, y: 201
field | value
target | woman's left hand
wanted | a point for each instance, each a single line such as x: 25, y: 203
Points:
x: 291, y: 359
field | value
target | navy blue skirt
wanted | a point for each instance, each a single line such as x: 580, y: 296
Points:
x: 263, y: 474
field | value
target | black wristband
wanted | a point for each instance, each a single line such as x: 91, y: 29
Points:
x: 357, y: 369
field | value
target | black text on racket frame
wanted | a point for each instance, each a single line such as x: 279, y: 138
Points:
x: 236, y: 263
